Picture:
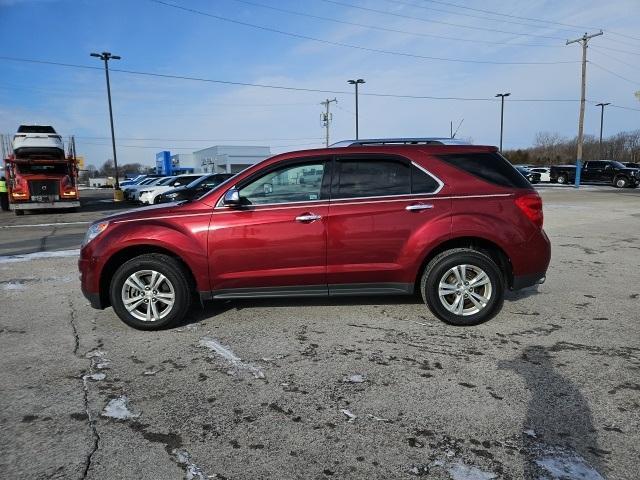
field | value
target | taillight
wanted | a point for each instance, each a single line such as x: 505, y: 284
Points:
x: 531, y: 205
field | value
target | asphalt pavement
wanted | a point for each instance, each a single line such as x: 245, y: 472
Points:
x: 368, y: 387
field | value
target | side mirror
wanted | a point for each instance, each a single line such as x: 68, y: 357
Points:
x: 232, y: 198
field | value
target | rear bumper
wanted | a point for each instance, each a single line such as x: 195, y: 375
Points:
x: 44, y: 205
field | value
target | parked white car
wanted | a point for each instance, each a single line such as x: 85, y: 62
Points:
x: 148, y: 195
x: 545, y: 173
x: 132, y: 192
x: 37, y: 140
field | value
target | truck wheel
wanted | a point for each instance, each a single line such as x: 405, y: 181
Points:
x: 562, y: 179
x: 463, y: 287
x: 151, y: 292
x: 621, y: 182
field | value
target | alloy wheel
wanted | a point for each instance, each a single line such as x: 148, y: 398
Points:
x: 465, y: 289
x: 148, y: 295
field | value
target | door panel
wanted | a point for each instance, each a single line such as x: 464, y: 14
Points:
x: 377, y: 241
x: 265, y: 246
x: 277, y: 237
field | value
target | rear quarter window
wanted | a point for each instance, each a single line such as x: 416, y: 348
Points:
x: 491, y: 167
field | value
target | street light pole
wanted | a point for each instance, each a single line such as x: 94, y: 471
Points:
x: 601, y: 105
x: 106, y: 56
x: 502, y: 95
x: 356, y: 83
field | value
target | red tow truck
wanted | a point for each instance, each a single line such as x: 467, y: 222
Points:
x: 42, y: 181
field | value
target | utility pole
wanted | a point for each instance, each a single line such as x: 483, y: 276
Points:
x: 356, y: 83
x: 601, y: 105
x: 106, y: 56
x: 326, y: 118
x: 502, y: 95
x: 583, y: 41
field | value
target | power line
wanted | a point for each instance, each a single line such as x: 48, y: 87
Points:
x: 348, y: 45
x: 421, y: 19
x: 614, y: 73
x: 165, y: 147
x: 415, y: 5
x: 392, y: 30
x: 611, y: 57
x: 295, y: 89
x: 493, y: 12
x: 161, y: 139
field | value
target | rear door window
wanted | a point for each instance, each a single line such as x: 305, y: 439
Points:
x: 491, y: 167
x: 375, y: 177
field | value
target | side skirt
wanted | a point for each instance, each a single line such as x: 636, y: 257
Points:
x: 333, y: 290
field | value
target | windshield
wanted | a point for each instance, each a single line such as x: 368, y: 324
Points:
x: 56, y: 168
x: 617, y: 164
x: 36, y: 129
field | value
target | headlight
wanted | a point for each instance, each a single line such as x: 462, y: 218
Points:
x: 171, y: 195
x: 144, y: 191
x: 94, y: 230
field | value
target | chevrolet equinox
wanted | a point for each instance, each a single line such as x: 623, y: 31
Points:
x: 456, y: 223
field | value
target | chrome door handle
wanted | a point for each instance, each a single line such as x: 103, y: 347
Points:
x: 418, y: 207
x: 308, y: 217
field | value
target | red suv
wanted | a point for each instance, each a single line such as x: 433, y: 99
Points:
x: 455, y: 222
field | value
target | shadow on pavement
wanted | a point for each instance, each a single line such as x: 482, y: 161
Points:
x: 559, y: 438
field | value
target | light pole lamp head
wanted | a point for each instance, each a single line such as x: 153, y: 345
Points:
x: 602, y: 104
x: 503, y: 94
x: 354, y: 82
x: 105, y: 56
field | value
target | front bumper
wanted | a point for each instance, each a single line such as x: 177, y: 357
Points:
x: 90, y: 279
x: 524, y: 281
x: 43, y: 205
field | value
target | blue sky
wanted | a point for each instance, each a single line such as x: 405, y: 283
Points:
x: 152, y: 113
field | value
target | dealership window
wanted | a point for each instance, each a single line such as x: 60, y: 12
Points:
x: 294, y: 183
x: 372, y: 178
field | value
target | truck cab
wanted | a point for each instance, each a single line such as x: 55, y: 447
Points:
x: 41, y: 183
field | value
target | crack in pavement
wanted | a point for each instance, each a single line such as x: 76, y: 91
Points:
x: 85, y: 389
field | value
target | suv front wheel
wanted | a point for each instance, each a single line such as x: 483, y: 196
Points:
x: 463, y: 287
x: 150, y: 292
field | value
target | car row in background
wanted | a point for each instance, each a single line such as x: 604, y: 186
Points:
x: 195, y: 189
x: 529, y: 173
x: 161, y: 189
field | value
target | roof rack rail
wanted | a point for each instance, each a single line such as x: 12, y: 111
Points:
x: 400, y: 141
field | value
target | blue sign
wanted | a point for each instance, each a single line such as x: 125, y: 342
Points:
x: 163, y: 163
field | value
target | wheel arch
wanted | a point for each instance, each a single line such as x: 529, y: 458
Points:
x: 488, y: 247
x: 126, y: 254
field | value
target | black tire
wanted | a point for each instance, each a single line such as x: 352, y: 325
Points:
x: 562, y: 179
x: 438, y: 268
x: 176, y: 275
x: 19, y: 212
x: 621, y: 182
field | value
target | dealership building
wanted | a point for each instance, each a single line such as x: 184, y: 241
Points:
x: 216, y: 159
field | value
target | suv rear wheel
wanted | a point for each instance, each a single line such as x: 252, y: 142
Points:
x: 621, y: 182
x: 463, y: 287
x: 150, y: 292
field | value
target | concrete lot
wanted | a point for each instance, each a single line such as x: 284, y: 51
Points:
x: 350, y: 388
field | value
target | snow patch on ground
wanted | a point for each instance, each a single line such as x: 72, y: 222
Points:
x: 229, y: 356
x: 27, y: 257
x: 96, y: 377
x: 356, y: 378
x: 192, y: 471
x: 13, y: 286
x: 562, y: 464
x: 119, y: 408
x: 349, y: 415
x: 531, y: 433
x: 460, y: 471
